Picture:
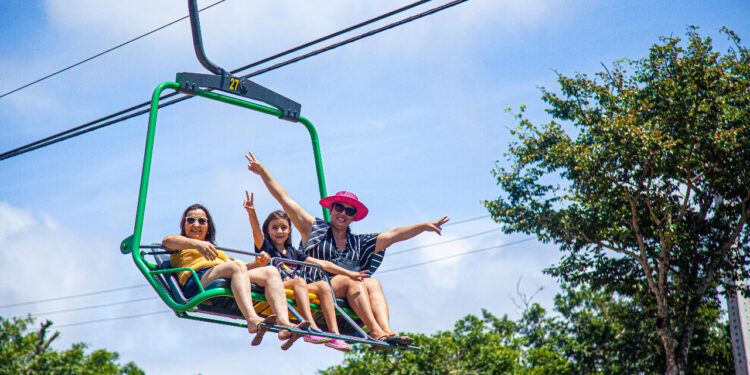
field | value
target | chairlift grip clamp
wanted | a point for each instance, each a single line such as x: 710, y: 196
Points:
x: 190, y: 83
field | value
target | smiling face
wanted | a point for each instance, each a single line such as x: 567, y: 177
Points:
x: 278, y: 232
x: 340, y: 220
x: 278, y: 229
x: 196, y: 224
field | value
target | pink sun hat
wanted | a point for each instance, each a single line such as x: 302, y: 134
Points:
x: 348, y: 198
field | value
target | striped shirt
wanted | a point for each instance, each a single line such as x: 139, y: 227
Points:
x: 360, y: 248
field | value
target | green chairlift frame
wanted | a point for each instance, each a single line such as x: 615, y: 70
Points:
x: 132, y: 244
x: 202, y: 85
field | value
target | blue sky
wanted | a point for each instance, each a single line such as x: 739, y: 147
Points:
x: 411, y: 120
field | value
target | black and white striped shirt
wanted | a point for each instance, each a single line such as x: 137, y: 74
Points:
x: 360, y: 248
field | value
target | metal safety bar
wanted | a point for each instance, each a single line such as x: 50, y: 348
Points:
x: 364, y: 338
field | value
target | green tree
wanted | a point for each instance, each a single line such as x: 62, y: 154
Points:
x: 23, y: 352
x: 486, y: 345
x: 600, y: 332
x: 644, y: 183
x: 591, y: 332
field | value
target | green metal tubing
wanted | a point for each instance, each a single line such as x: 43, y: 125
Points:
x: 132, y: 243
x: 318, y: 163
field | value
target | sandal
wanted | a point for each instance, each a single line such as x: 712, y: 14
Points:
x: 263, y: 327
x: 401, y: 340
x: 378, y: 347
x: 295, y: 335
x: 393, y: 340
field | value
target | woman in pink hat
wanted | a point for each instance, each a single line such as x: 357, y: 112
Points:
x: 274, y: 238
x: 357, y: 252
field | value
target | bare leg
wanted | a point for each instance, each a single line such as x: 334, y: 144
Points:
x: 356, y: 293
x: 323, y: 291
x: 270, y: 279
x: 303, y: 299
x: 378, y: 303
x: 237, y: 272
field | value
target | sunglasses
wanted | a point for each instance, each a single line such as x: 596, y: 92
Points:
x: 201, y: 220
x: 338, y: 207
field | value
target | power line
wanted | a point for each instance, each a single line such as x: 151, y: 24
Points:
x: 443, y: 242
x: 73, y: 296
x: 96, y: 306
x: 104, y: 52
x: 82, y: 129
x: 111, y: 319
x: 456, y: 255
x: 465, y: 220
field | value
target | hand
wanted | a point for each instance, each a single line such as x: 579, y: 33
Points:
x: 207, y: 249
x: 248, y: 204
x: 434, y: 226
x: 358, y: 276
x: 253, y: 164
x: 263, y: 258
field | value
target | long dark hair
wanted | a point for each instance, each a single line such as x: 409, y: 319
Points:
x: 278, y: 214
x: 211, y: 233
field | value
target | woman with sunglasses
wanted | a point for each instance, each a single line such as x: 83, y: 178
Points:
x: 334, y: 242
x: 197, y: 251
x: 275, y: 238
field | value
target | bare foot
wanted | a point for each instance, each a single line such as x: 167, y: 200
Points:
x: 271, y: 320
x: 283, y: 333
x: 252, y: 324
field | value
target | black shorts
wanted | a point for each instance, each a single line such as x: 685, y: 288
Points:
x: 191, y: 286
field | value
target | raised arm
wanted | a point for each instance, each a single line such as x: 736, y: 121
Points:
x: 177, y: 242
x: 258, y: 236
x: 302, y: 220
x: 392, y: 236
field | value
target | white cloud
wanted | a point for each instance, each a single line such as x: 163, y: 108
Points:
x: 15, y: 221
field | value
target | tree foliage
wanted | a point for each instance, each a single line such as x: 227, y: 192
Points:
x: 591, y: 332
x: 23, y: 352
x: 486, y: 345
x: 644, y: 183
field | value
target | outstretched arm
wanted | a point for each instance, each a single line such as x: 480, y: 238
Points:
x: 300, y: 218
x: 392, y: 236
x: 258, y: 236
x: 333, y: 268
x: 177, y: 242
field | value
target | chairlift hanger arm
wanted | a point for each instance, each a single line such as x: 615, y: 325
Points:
x: 200, y: 53
x: 191, y: 82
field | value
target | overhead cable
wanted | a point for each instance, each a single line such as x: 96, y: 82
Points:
x: 443, y: 242
x: 456, y: 255
x: 115, y: 318
x: 91, y: 125
x: 73, y: 296
x: 96, y: 306
x: 103, y: 52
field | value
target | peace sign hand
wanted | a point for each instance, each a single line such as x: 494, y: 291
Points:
x: 248, y: 204
x: 435, y: 226
x: 253, y: 164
